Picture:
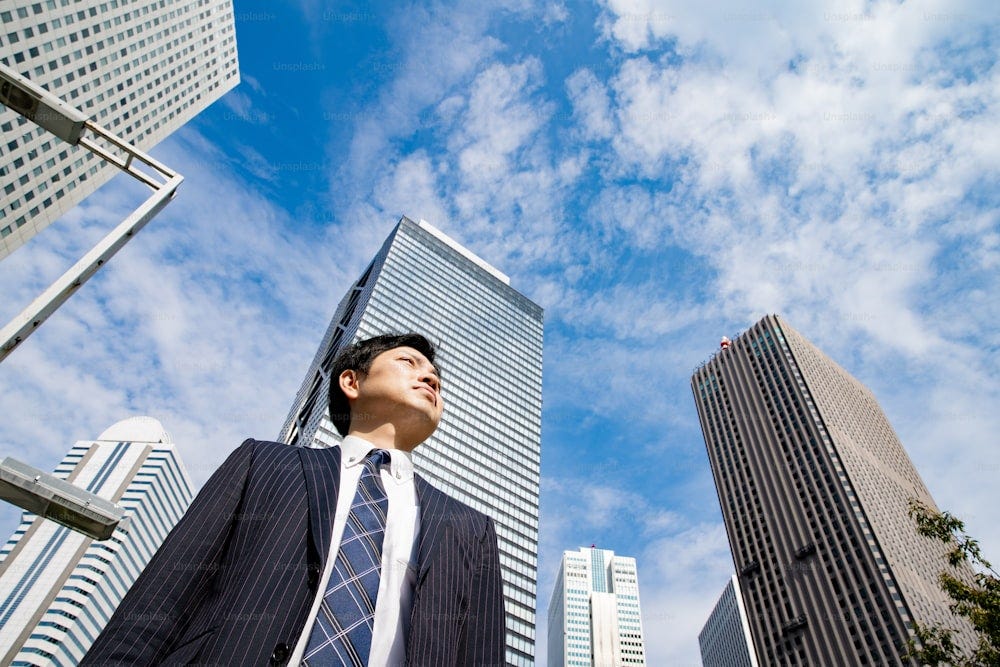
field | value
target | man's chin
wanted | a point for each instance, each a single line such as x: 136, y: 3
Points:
x: 426, y: 427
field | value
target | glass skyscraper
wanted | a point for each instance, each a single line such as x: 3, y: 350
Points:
x: 58, y: 588
x: 594, y: 614
x: 814, y: 486
x: 486, y: 451
x: 725, y: 641
x: 139, y: 68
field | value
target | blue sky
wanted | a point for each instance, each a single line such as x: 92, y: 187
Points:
x: 655, y: 175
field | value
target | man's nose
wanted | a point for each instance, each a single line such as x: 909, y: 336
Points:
x: 430, y: 377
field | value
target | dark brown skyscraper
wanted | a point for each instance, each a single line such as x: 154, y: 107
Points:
x: 814, y: 487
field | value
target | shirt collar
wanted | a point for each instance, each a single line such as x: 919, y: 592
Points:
x: 355, y: 449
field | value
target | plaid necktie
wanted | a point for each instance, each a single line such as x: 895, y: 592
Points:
x: 342, y: 633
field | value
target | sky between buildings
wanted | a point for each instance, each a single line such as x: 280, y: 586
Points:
x: 654, y: 174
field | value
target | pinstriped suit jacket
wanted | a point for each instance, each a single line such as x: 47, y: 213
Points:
x: 234, y: 581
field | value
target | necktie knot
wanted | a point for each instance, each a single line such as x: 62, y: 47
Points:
x: 377, y: 458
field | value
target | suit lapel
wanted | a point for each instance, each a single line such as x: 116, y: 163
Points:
x: 321, y: 468
x: 433, y: 523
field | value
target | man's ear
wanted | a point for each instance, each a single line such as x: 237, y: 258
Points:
x: 350, y: 384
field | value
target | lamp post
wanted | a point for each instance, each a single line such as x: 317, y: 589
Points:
x: 74, y: 127
x: 58, y: 500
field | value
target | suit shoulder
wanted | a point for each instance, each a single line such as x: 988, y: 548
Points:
x: 253, y: 442
x: 266, y: 445
x: 267, y: 449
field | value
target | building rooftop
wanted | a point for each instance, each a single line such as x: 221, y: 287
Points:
x: 137, y: 429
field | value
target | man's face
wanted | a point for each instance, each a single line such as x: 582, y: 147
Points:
x: 401, y: 387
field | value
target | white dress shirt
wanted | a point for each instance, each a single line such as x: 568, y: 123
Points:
x: 395, y: 591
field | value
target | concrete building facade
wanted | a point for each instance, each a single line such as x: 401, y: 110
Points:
x: 594, y: 616
x: 815, y: 486
x: 139, y: 68
x: 59, y: 588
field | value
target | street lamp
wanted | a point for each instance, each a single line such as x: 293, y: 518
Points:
x: 58, y: 500
x: 41, y: 106
x: 73, y: 126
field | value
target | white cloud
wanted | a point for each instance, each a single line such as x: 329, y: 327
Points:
x: 239, y: 103
x: 499, y: 120
x: 681, y: 578
x: 494, y: 181
x: 555, y: 12
x: 440, y: 49
x: 496, y: 170
x: 411, y: 188
x: 825, y: 184
x: 590, y: 104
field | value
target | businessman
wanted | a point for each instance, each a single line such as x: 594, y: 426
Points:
x: 338, y: 556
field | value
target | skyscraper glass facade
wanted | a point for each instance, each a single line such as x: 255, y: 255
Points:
x: 814, y: 486
x: 139, y: 68
x: 486, y: 451
x: 58, y: 588
x: 725, y: 640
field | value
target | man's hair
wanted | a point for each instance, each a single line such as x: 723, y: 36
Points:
x: 358, y: 357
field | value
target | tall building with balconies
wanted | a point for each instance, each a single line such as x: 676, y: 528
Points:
x: 815, y: 487
x: 486, y: 451
x: 58, y: 588
x: 139, y: 68
x: 594, y: 617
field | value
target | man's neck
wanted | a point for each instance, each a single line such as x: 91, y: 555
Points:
x: 385, y: 437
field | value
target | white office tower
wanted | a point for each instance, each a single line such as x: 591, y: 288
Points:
x: 594, y: 617
x: 139, y: 68
x: 725, y: 640
x: 486, y: 451
x: 58, y: 588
